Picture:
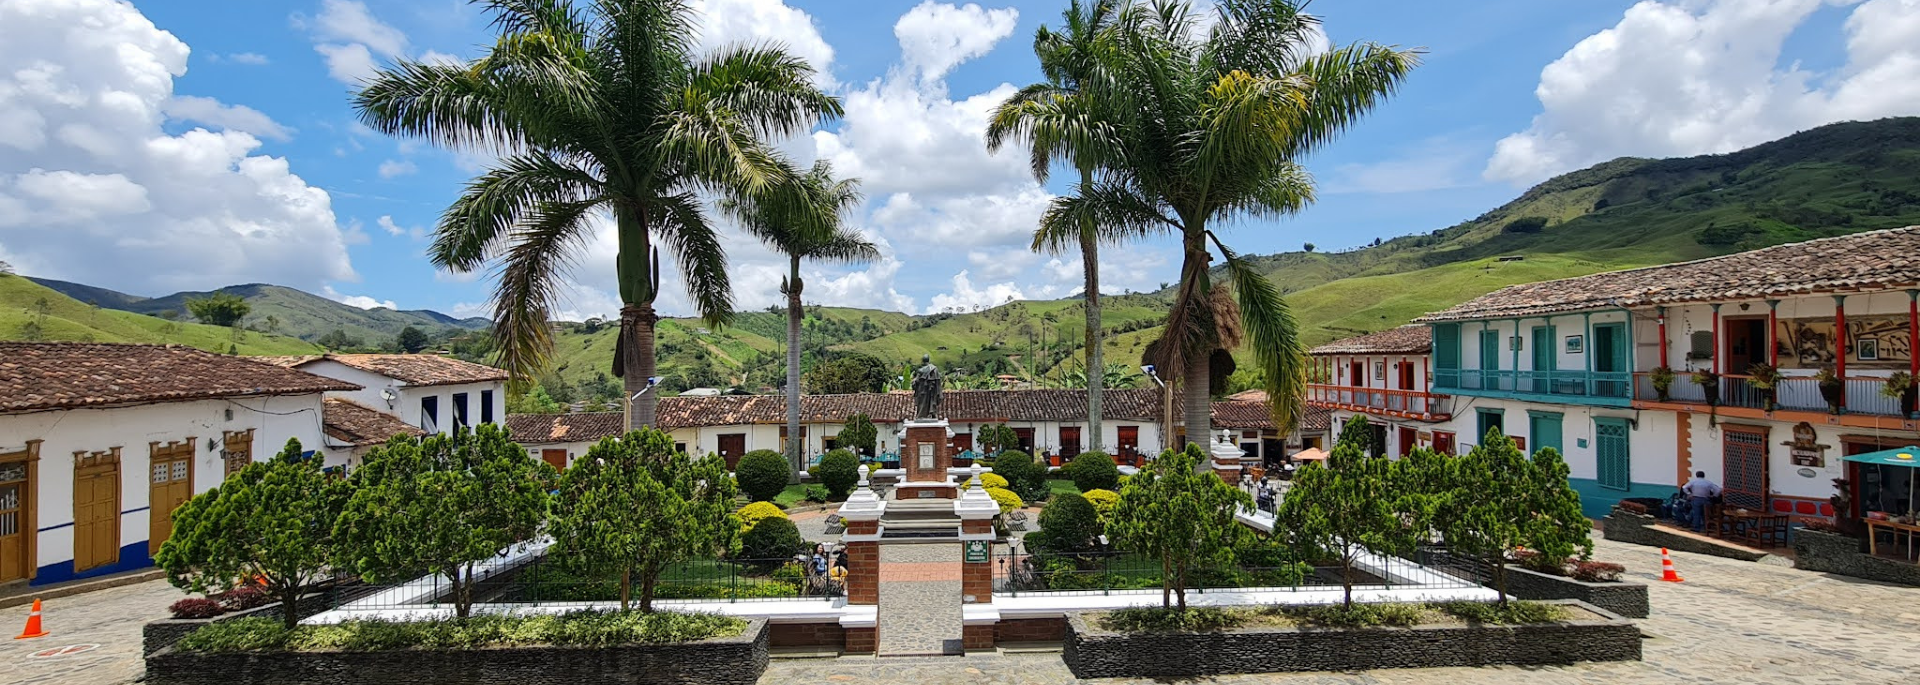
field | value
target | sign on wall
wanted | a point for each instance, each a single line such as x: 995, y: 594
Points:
x: 976, y: 552
x: 1805, y: 448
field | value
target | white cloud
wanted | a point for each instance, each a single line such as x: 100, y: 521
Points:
x: 231, y: 117
x: 751, y: 22
x: 248, y: 58
x: 1695, y: 77
x: 936, y: 37
x: 965, y: 296
x: 1433, y: 164
x: 393, y: 228
x: 361, y: 301
x: 349, y: 63
x: 351, y: 40
x: 93, y: 189
x: 397, y: 167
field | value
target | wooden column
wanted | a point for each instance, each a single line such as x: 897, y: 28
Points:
x: 1716, y: 339
x: 1840, y: 344
x: 1661, y: 312
x: 1773, y: 329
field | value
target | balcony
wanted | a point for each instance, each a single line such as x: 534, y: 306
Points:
x: 1795, y: 393
x: 1576, y: 387
x: 1411, y: 404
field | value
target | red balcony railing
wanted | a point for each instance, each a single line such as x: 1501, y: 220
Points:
x: 1384, y: 401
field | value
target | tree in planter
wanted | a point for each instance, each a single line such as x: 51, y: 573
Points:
x: 858, y: 435
x: 273, y: 521
x: 1833, y: 389
x: 1662, y: 378
x: 1350, y: 505
x: 762, y: 474
x: 635, y: 506
x: 1182, y: 517
x: 439, y: 505
x: 1503, y: 501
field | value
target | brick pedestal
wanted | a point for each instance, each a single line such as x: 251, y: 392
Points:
x: 862, y: 641
x: 863, y: 568
x: 926, y: 456
x: 976, y: 637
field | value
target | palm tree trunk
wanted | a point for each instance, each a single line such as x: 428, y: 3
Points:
x: 1196, y: 378
x: 1196, y: 398
x: 1096, y: 365
x: 636, y: 331
x: 794, y: 441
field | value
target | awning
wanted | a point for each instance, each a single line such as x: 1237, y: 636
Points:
x: 1310, y: 454
x: 1905, y: 456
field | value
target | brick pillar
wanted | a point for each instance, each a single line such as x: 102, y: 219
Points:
x: 862, y: 640
x: 863, y: 566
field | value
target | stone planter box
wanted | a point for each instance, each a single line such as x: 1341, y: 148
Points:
x: 1092, y: 652
x: 157, y: 635
x: 1815, y: 550
x: 1620, y: 597
x: 1625, y: 526
x: 737, y: 660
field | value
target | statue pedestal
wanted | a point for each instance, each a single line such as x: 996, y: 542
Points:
x: 925, y: 454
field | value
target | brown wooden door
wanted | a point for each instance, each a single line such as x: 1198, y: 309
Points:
x: 1408, y: 436
x: 1406, y: 375
x: 555, y: 458
x: 1129, y: 441
x: 13, y: 521
x: 171, y: 480
x: 1746, y: 344
x: 1743, y: 453
x: 1026, y: 439
x: 732, y: 445
x: 1069, y: 442
x: 96, y: 509
x: 962, y: 442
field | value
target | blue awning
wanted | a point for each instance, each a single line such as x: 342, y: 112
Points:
x: 1908, y: 456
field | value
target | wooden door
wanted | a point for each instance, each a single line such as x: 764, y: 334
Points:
x: 1069, y: 441
x: 1377, y: 434
x: 96, y: 509
x: 1746, y: 344
x: 1026, y: 439
x: 1743, y: 451
x: 15, y: 502
x: 171, y: 480
x: 1408, y: 436
x: 1443, y: 442
x: 1544, y: 359
x: 732, y: 445
x: 1129, y: 442
x: 1406, y: 375
x: 962, y: 442
x: 557, y: 458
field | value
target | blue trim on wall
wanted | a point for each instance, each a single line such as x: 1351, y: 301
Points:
x: 56, y: 527
x: 1596, y: 500
x: 130, y: 511
x: 132, y: 556
x: 1544, y: 398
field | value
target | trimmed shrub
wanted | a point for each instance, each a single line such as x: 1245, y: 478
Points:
x: 1071, y: 525
x: 818, y: 493
x: 763, y: 474
x: 1006, y: 499
x: 579, y: 628
x: 1507, y: 613
x: 1093, y: 471
x: 772, y: 538
x: 987, y: 480
x: 1161, y: 620
x: 245, y: 597
x: 1102, y: 501
x: 839, y: 472
x: 1025, y: 476
x: 752, y: 514
x: 196, y: 607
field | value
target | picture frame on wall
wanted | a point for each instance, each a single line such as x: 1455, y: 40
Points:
x: 1868, y: 349
x: 1576, y: 344
x: 1379, y: 371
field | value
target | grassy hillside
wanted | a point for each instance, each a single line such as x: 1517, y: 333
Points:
x: 293, y: 312
x: 30, y: 311
x: 750, y: 352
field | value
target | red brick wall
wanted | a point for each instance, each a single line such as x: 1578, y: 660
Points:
x: 862, y: 640
x: 909, y: 492
x: 863, y: 573
x: 976, y: 581
x: 806, y: 635
x: 976, y: 526
x: 1030, y: 630
x: 976, y: 637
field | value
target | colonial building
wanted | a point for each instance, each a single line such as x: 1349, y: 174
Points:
x: 1046, y: 421
x: 428, y: 391
x: 99, y: 443
x: 352, y: 429
x: 1761, y: 368
x: 1388, y: 377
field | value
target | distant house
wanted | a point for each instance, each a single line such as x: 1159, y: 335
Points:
x: 353, y: 428
x: 99, y: 443
x: 430, y: 392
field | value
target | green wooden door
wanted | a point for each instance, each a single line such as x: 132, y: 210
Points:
x: 1543, y: 431
x: 1610, y: 360
x: 1489, y: 360
x: 1614, y: 464
x: 1544, y: 361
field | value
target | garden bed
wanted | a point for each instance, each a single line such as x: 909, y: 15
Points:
x: 530, y: 650
x: 1825, y: 552
x: 1620, y: 597
x: 1272, y: 640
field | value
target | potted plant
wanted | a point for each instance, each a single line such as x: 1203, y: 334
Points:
x: 1662, y: 378
x: 1832, y: 388
x: 1709, y: 383
x: 1900, y: 386
x: 1766, y: 383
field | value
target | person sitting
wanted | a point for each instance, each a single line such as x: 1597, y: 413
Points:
x: 1700, y: 492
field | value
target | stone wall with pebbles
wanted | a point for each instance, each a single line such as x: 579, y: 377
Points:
x: 1825, y: 552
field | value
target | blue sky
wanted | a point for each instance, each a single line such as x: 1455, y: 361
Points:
x: 188, y: 144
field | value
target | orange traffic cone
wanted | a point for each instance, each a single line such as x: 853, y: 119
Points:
x: 33, y: 624
x: 1666, y: 567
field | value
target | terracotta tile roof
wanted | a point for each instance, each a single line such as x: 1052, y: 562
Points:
x: 55, y: 375
x: 1410, y: 339
x: 355, y: 424
x: 412, y: 369
x: 1875, y: 260
x: 534, y: 429
x: 1251, y: 415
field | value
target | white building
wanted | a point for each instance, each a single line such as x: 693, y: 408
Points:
x: 1387, y: 377
x: 431, y: 392
x: 1048, y: 422
x: 352, y: 429
x: 98, y: 444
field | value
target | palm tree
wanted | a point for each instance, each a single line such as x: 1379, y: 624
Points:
x: 1208, y: 125
x: 1044, y: 116
x: 801, y: 220
x: 598, y: 110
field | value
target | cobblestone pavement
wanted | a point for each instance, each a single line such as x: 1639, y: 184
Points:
x: 110, y: 618
x: 920, y: 599
x: 1730, y: 622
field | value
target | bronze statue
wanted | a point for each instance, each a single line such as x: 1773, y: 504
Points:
x: 926, y: 389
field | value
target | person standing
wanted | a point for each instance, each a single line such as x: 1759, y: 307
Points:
x: 1700, y: 492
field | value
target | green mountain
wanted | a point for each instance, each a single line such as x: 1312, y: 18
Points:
x: 285, y: 311
x: 31, y: 311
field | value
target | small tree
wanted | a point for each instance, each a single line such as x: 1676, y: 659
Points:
x: 271, y: 522
x: 839, y: 472
x: 1348, y: 506
x: 1069, y: 525
x: 858, y: 435
x: 1502, y: 501
x: 762, y: 474
x: 219, y: 308
x: 1182, y: 517
x: 411, y: 340
x: 634, y: 505
x: 1093, y: 471
x: 1024, y: 475
x: 441, y: 504
x: 997, y: 437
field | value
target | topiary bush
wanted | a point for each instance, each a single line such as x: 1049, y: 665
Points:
x: 1006, y: 499
x: 1071, y: 525
x: 752, y: 514
x: 763, y: 474
x: 838, y: 471
x: 1102, y: 501
x: 1025, y: 476
x: 772, y: 538
x: 1093, y: 471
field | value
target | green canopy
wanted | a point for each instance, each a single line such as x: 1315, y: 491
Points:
x: 1903, y: 456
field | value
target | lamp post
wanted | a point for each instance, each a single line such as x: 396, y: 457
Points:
x: 1166, y: 407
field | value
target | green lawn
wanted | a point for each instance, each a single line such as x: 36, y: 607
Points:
x: 1061, y: 486
x: 794, y: 495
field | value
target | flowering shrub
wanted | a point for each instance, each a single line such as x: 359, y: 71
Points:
x: 1006, y: 499
x: 1102, y: 501
x: 1596, y: 571
x: 245, y: 597
x: 753, y: 513
x: 196, y: 607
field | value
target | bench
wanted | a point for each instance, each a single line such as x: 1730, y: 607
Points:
x: 1017, y: 520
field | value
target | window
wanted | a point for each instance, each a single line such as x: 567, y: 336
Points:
x: 1446, y: 346
x: 430, y: 414
x: 1543, y: 428
x: 1610, y: 453
x: 1489, y: 350
x: 1443, y: 442
x: 1489, y: 419
x: 486, y: 406
x: 238, y: 450
x: 460, y: 409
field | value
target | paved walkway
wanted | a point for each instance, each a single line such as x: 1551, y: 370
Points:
x: 108, y: 618
x: 920, y: 599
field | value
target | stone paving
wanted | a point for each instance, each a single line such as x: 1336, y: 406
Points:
x: 110, y: 618
x: 920, y: 599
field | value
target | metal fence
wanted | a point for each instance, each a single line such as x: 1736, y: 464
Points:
x: 1100, y: 573
x: 550, y: 579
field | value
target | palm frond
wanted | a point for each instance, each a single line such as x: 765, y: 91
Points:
x: 1346, y: 83
x: 1117, y: 212
x: 702, y: 257
x: 530, y: 277
x: 1275, y: 335
x: 766, y: 86
x: 497, y: 200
